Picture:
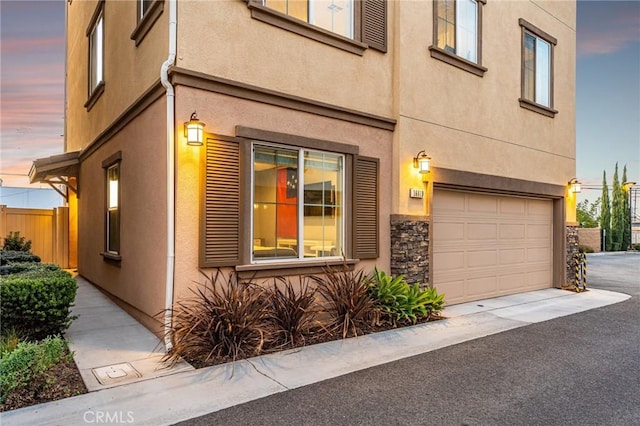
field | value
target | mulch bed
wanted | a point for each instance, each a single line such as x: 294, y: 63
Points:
x: 63, y: 380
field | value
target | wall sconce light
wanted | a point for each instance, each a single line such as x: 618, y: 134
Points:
x: 575, y: 186
x: 422, y: 162
x: 194, y: 130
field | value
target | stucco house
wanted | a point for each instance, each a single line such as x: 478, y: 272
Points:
x: 310, y: 121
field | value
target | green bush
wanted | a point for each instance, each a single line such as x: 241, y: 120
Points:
x: 636, y: 246
x: 19, y: 267
x: 14, y: 242
x: 27, y: 361
x: 585, y: 249
x: 401, y: 301
x: 37, y: 303
x: 7, y: 257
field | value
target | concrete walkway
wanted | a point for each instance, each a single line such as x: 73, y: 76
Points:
x: 186, y: 394
x: 110, y: 347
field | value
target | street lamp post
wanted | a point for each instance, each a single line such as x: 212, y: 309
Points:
x: 627, y: 186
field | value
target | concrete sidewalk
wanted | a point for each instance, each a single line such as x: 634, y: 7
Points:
x: 187, y: 394
x: 110, y: 347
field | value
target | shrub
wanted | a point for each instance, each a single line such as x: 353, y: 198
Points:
x: 401, y: 301
x: 7, y: 257
x: 585, y: 249
x: 225, y: 318
x: 347, y: 301
x: 292, y: 312
x: 8, y: 342
x: 18, y: 267
x: 636, y: 246
x: 37, y: 303
x: 27, y: 361
x: 14, y: 242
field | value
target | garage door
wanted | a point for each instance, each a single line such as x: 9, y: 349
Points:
x: 490, y: 245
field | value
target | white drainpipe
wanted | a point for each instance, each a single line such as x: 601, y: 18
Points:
x: 171, y: 166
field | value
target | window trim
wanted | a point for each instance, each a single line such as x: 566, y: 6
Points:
x: 95, y: 92
x: 453, y: 59
x: 527, y: 27
x: 145, y: 22
x: 297, y: 26
x: 107, y: 164
x: 300, y: 205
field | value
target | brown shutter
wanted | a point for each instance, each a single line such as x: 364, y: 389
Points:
x: 365, y: 211
x: 374, y: 24
x: 220, y: 227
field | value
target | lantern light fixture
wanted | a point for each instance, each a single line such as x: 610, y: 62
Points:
x: 575, y: 186
x: 422, y: 162
x: 194, y: 130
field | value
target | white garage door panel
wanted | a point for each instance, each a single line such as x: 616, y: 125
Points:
x: 490, y: 245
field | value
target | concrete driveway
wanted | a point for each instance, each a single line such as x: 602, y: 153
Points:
x: 582, y: 369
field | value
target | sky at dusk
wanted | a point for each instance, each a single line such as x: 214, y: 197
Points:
x: 607, y: 88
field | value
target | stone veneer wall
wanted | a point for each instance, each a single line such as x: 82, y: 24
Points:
x: 572, y: 248
x: 410, y: 248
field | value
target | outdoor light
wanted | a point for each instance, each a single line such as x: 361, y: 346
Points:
x: 422, y: 162
x: 193, y: 130
x: 575, y: 186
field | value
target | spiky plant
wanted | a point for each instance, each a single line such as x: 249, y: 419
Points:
x: 347, y: 301
x: 293, y: 312
x: 225, y: 318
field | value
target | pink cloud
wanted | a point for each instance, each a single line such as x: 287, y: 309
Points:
x: 605, y: 30
x: 31, y: 44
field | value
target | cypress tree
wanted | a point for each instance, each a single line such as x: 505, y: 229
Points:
x: 605, y: 213
x: 626, y: 231
x: 617, y: 213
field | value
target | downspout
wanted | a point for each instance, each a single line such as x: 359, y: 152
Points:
x: 171, y: 167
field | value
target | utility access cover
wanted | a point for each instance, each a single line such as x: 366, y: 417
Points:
x: 115, y: 373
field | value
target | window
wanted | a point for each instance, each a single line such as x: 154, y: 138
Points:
x: 112, y: 206
x: 95, y: 34
x: 96, y: 53
x: 351, y: 25
x: 273, y: 201
x: 332, y: 15
x: 537, y: 69
x: 298, y: 206
x: 457, y: 33
x: 148, y: 13
x: 143, y: 8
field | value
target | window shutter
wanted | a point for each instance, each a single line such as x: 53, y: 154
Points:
x: 365, y: 213
x: 220, y: 230
x: 374, y: 24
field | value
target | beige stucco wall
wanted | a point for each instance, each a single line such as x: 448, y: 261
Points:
x: 222, y: 114
x: 220, y: 38
x: 476, y: 124
x: 128, y: 70
x: 590, y: 237
x: 139, y: 279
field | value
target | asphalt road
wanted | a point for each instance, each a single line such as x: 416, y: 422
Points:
x: 583, y: 369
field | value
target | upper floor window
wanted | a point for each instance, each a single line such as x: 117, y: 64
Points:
x: 143, y: 8
x: 336, y: 16
x: 148, y: 13
x: 95, y: 35
x: 350, y: 25
x: 457, y: 33
x: 96, y: 54
x: 298, y: 206
x: 537, y: 69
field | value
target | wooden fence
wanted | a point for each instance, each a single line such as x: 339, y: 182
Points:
x: 48, y: 231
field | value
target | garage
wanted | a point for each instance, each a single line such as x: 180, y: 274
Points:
x: 487, y: 245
